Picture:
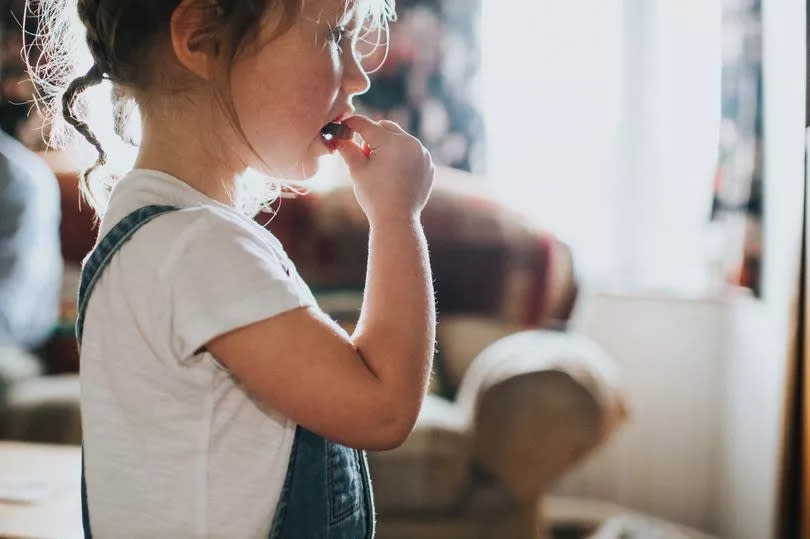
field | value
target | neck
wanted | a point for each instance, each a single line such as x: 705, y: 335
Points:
x: 191, y: 155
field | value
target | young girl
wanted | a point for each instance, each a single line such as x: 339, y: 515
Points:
x: 217, y: 399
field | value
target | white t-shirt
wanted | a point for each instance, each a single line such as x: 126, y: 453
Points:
x: 174, y: 447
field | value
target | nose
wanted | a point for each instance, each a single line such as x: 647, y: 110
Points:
x: 355, y: 80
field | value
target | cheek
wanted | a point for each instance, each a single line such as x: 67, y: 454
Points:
x: 260, y: 105
x: 282, y: 106
x: 283, y: 118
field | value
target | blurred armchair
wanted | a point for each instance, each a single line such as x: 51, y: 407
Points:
x: 516, y: 399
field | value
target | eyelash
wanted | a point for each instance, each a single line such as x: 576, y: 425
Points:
x: 337, y: 34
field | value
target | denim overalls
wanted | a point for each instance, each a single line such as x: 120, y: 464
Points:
x: 327, y: 490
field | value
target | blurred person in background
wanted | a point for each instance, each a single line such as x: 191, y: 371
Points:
x: 30, y: 255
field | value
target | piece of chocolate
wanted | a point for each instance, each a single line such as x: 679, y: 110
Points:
x: 333, y: 131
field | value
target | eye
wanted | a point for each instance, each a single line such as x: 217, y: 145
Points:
x: 338, y: 34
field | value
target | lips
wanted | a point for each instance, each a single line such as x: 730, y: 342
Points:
x: 348, y: 112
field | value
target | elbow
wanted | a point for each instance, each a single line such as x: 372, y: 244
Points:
x: 392, y: 432
x: 394, y: 439
x: 385, y: 440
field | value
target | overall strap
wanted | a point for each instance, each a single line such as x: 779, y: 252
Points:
x: 104, y: 251
x: 93, y: 268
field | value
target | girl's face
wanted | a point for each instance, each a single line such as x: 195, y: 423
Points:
x: 285, y: 90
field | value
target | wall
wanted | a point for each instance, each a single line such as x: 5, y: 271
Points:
x: 705, y: 381
x: 707, y: 378
x: 672, y: 354
x: 747, y: 480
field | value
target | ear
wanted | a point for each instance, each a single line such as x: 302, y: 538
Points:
x: 196, y: 36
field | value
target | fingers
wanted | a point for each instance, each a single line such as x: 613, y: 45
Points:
x: 372, y: 132
x: 373, y: 135
x: 352, y: 153
x: 393, y: 127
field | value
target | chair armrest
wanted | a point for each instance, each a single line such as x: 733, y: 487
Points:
x: 539, y: 401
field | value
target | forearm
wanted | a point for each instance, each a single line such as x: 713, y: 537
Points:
x: 396, y: 330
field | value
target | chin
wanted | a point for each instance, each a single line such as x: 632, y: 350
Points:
x: 303, y: 170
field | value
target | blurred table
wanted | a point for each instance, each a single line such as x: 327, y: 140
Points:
x: 56, y: 513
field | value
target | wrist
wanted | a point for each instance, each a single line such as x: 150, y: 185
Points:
x: 391, y: 220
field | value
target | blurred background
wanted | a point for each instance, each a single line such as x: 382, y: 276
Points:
x: 622, y: 187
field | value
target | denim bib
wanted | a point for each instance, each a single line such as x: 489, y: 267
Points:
x: 327, y: 489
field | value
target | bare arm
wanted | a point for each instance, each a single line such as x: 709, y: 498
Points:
x: 396, y: 330
x: 365, y: 390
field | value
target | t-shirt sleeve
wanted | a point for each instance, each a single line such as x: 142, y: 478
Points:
x: 224, y: 275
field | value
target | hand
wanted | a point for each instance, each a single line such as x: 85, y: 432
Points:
x: 392, y: 172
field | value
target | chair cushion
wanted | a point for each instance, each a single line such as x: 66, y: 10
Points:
x: 431, y: 469
x: 475, y: 245
x: 461, y: 338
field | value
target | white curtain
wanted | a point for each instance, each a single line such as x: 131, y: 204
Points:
x: 602, y: 127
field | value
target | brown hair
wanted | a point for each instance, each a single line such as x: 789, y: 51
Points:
x: 122, y: 34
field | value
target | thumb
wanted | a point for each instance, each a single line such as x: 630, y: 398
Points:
x: 393, y: 127
x: 352, y: 153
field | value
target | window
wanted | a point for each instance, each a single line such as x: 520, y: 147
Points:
x: 602, y: 126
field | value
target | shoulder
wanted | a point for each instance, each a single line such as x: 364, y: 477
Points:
x: 207, y: 238
x: 194, y: 224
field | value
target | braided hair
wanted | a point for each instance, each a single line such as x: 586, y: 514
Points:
x: 91, y: 78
